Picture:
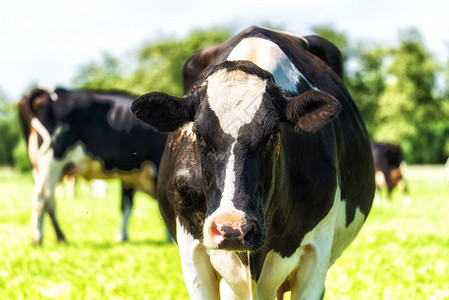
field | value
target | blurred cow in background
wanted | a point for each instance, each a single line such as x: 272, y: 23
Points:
x: 89, y: 134
x: 390, y: 165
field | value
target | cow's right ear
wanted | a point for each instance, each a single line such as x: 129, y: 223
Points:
x: 311, y: 110
x: 163, y: 112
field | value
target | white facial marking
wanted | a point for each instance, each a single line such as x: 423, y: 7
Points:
x: 268, y: 56
x: 235, y: 97
x: 229, y: 183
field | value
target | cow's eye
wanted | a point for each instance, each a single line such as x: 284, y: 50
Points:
x: 199, y: 138
x: 274, y: 137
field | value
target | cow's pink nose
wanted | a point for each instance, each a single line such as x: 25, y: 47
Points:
x: 231, y: 232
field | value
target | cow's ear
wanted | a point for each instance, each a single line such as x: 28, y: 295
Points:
x: 163, y: 112
x: 311, y: 110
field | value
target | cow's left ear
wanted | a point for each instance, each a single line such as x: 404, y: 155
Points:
x: 163, y: 112
x: 311, y: 110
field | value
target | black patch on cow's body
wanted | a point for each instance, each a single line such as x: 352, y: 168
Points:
x: 116, y: 148
x: 297, y: 186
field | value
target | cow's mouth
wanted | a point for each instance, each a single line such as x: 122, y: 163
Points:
x: 232, y: 233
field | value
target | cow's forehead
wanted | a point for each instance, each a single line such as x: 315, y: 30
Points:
x: 234, y: 97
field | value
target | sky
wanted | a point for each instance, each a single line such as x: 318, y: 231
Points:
x: 45, y: 42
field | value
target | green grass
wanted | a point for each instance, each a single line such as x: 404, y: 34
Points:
x: 401, y: 253
x: 92, y: 265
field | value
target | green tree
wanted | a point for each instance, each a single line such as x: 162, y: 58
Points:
x: 367, y: 82
x: 9, y: 130
x: 409, y: 111
x: 363, y: 68
x: 160, y: 64
x: 100, y: 76
x: 158, y: 68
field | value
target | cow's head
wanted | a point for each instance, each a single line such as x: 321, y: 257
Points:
x: 237, y: 114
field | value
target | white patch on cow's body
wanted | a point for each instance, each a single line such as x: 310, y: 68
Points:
x: 305, y: 270
x: 200, y: 277
x: 345, y: 235
x: 234, y: 272
x: 268, y: 56
x: 43, y: 132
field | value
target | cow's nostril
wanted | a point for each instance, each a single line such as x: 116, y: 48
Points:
x: 231, y: 232
x: 250, y: 234
x: 215, y: 230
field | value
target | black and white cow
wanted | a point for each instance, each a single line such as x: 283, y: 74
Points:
x: 90, y: 134
x: 267, y: 175
x: 389, y: 164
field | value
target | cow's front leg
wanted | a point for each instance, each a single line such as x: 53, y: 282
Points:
x: 37, y: 214
x: 309, y: 280
x: 201, y: 280
x: 51, y: 210
x: 43, y: 198
x: 126, y: 208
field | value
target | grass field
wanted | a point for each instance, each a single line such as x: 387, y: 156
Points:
x: 401, y: 253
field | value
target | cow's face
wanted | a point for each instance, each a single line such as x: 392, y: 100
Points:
x: 237, y: 113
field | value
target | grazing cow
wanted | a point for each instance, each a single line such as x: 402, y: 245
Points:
x: 267, y: 175
x: 388, y: 163
x: 90, y: 134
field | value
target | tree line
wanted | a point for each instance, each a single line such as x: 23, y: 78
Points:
x: 396, y: 88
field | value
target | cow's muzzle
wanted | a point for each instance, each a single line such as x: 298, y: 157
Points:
x: 231, y: 231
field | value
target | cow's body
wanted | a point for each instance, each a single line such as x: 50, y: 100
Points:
x: 389, y: 165
x: 261, y: 196
x: 89, y: 134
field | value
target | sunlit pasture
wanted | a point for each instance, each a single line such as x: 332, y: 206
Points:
x: 401, y: 253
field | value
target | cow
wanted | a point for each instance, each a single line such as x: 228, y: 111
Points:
x: 389, y: 164
x: 267, y: 175
x: 90, y: 134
